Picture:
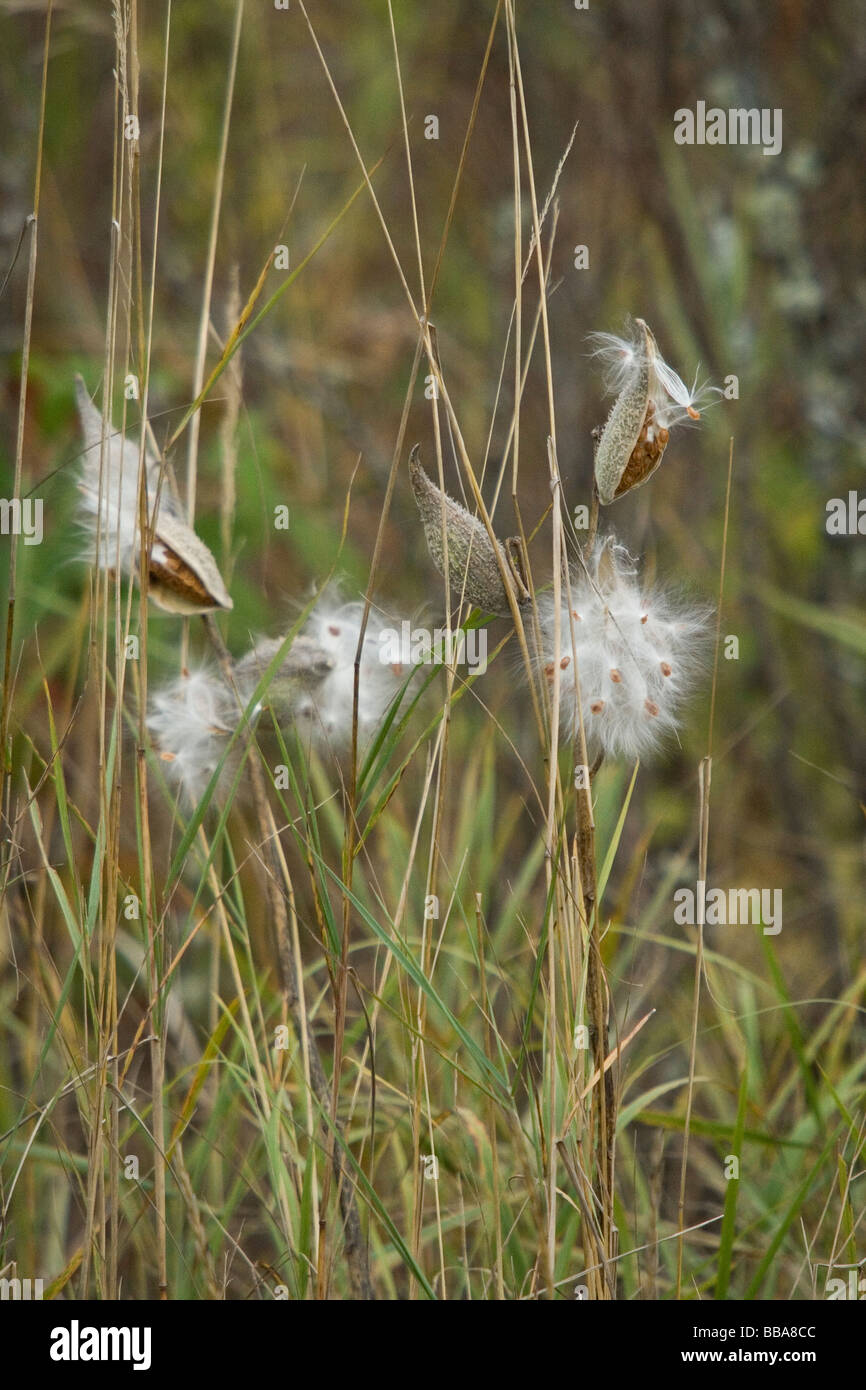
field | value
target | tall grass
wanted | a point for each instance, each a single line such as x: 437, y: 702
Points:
x: 320, y: 1036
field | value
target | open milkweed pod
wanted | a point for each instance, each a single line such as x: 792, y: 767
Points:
x: 473, y: 568
x: 651, y: 399
x: 313, y: 687
x: 627, y: 655
x: 182, y: 573
x: 304, y: 666
x: 312, y: 691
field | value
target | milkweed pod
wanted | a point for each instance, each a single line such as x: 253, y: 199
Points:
x: 630, y: 449
x: 182, y: 574
x: 651, y: 398
x: 303, y: 668
x: 473, y: 567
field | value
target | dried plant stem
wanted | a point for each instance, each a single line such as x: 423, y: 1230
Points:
x: 295, y: 1003
x: 604, y: 1092
x: 351, y: 799
x: 604, y: 1103
x: 229, y: 430
x: 551, y: 867
x: 489, y: 1043
x: 154, y: 923
x: 440, y: 761
x: 100, y: 1239
x: 204, y: 319
x: 704, y: 780
x: 592, y: 529
x: 32, y: 223
x: 704, y: 775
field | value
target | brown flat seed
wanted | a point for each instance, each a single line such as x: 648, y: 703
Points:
x: 172, y: 573
x: 666, y: 670
x: 651, y: 707
x: 564, y: 662
x: 597, y: 706
x: 182, y: 572
x: 615, y: 675
x: 645, y: 456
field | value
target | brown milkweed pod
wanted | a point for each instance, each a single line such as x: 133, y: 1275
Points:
x: 650, y: 399
x: 473, y: 568
x: 182, y: 573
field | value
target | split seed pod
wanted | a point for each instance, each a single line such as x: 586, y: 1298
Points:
x: 312, y: 691
x: 303, y: 668
x: 473, y: 568
x: 651, y: 399
x: 182, y: 573
x: 628, y: 451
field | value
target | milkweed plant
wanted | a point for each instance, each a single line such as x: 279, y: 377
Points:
x: 611, y: 660
x: 628, y: 658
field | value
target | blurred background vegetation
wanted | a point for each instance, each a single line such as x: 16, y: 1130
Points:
x: 748, y: 265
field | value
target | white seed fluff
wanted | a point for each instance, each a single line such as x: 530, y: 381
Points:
x: 312, y: 690
x: 109, y: 497
x: 335, y: 628
x: 191, y: 721
x: 621, y: 359
x: 633, y: 653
